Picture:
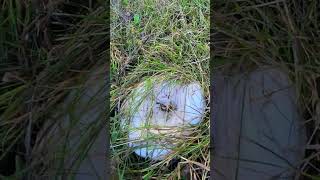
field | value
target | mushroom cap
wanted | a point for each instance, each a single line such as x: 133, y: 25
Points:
x: 161, y: 113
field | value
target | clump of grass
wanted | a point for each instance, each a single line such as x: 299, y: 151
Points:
x: 167, y: 39
x: 281, y: 33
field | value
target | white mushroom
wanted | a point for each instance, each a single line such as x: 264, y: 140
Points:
x: 159, y: 113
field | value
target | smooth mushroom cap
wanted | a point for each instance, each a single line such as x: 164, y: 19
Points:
x: 154, y: 131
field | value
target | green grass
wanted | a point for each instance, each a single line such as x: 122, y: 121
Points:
x: 166, y: 39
